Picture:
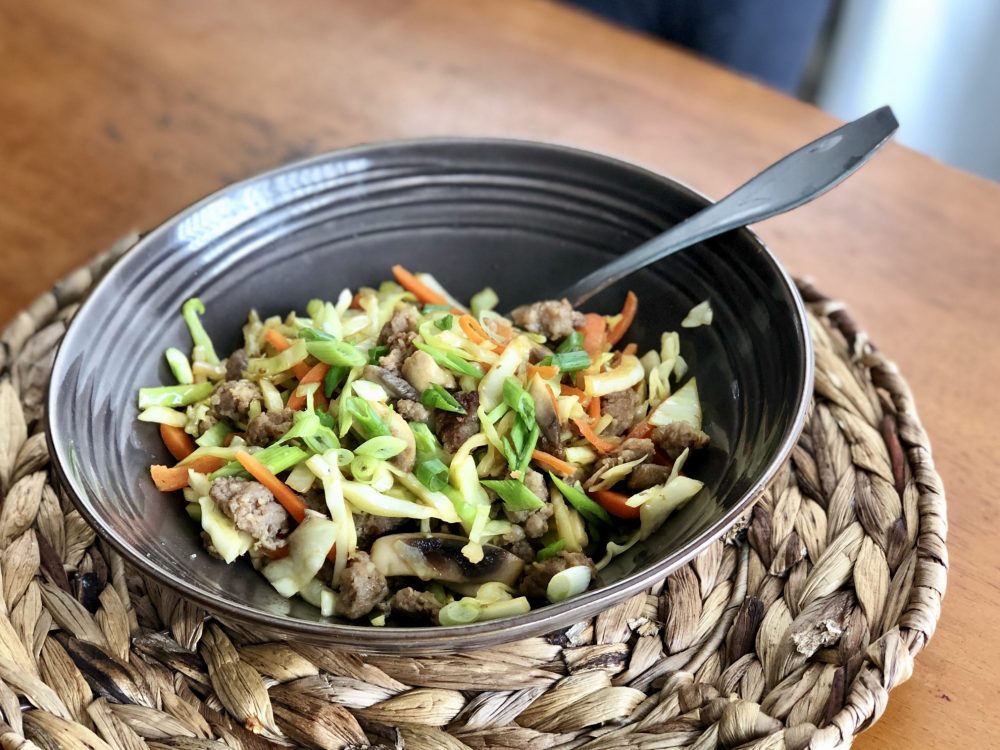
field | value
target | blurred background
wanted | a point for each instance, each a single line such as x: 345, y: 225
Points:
x: 937, y: 62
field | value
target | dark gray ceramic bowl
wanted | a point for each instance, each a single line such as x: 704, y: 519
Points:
x: 525, y: 218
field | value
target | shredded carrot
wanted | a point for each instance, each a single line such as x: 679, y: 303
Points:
x: 592, y: 437
x: 355, y: 301
x: 552, y: 398
x: 547, y: 372
x: 568, y: 390
x: 178, y: 442
x: 281, y: 491
x: 642, y: 429
x: 276, y: 339
x: 594, y: 409
x: 411, y: 283
x: 628, y: 315
x: 171, y: 478
x: 280, y: 343
x: 631, y: 348
x: 593, y: 334
x: 313, y: 375
x: 614, y: 503
x: 473, y: 330
x: 556, y: 464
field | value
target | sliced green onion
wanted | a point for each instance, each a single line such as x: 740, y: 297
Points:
x: 365, y: 418
x: 433, y: 474
x: 514, y: 494
x: 498, y: 411
x: 275, y: 458
x: 338, y: 353
x: 191, y: 310
x: 382, y: 447
x: 376, y: 353
x: 174, y: 395
x: 507, y: 608
x: 313, y: 334
x: 306, y: 424
x: 461, y: 612
x: 280, y: 362
x: 363, y: 468
x: 214, y: 436
x: 333, y: 379
x: 369, y: 391
x: 163, y: 415
x: 449, y: 360
x: 550, y: 550
x: 179, y: 365
x: 572, y: 343
x: 486, y: 299
x: 426, y: 442
x: 436, y: 397
x: 519, y: 400
x: 568, y: 583
x: 591, y: 511
x: 444, y: 323
x: 568, y: 361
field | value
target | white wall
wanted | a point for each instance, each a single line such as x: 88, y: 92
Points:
x: 937, y: 62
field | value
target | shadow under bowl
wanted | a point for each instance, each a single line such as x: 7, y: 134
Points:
x: 527, y: 219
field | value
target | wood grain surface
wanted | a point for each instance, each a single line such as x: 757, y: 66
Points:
x: 114, y: 114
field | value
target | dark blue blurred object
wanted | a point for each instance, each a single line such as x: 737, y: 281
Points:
x: 769, y: 40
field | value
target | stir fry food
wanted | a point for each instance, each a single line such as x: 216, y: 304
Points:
x: 397, y: 456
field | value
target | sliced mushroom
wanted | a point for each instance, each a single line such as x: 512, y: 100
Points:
x: 546, y: 416
x: 439, y: 557
x: 398, y: 428
x: 393, y: 384
x: 422, y: 372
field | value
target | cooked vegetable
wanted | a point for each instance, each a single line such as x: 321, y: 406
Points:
x: 179, y: 365
x: 315, y: 375
x: 178, y: 442
x: 514, y: 494
x: 627, y: 316
x: 191, y: 310
x: 163, y: 415
x: 228, y: 541
x: 338, y: 353
x: 439, y: 557
x: 169, y: 479
x: 308, y: 547
x: 288, y: 499
x: 699, y: 315
x: 174, y: 395
x: 393, y: 432
x: 487, y: 299
x: 568, y: 583
x: 420, y: 290
x: 436, y: 397
x: 682, y: 406
x: 621, y: 378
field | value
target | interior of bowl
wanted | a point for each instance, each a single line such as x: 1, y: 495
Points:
x: 527, y: 219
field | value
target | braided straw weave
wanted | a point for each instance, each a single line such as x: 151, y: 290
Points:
x: 789, y: 634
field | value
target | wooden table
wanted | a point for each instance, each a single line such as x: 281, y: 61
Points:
x: 115, y: 113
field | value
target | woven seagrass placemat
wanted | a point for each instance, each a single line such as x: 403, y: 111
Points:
x: 789, y: 634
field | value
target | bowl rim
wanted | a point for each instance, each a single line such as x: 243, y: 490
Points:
x: 431, y: 639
